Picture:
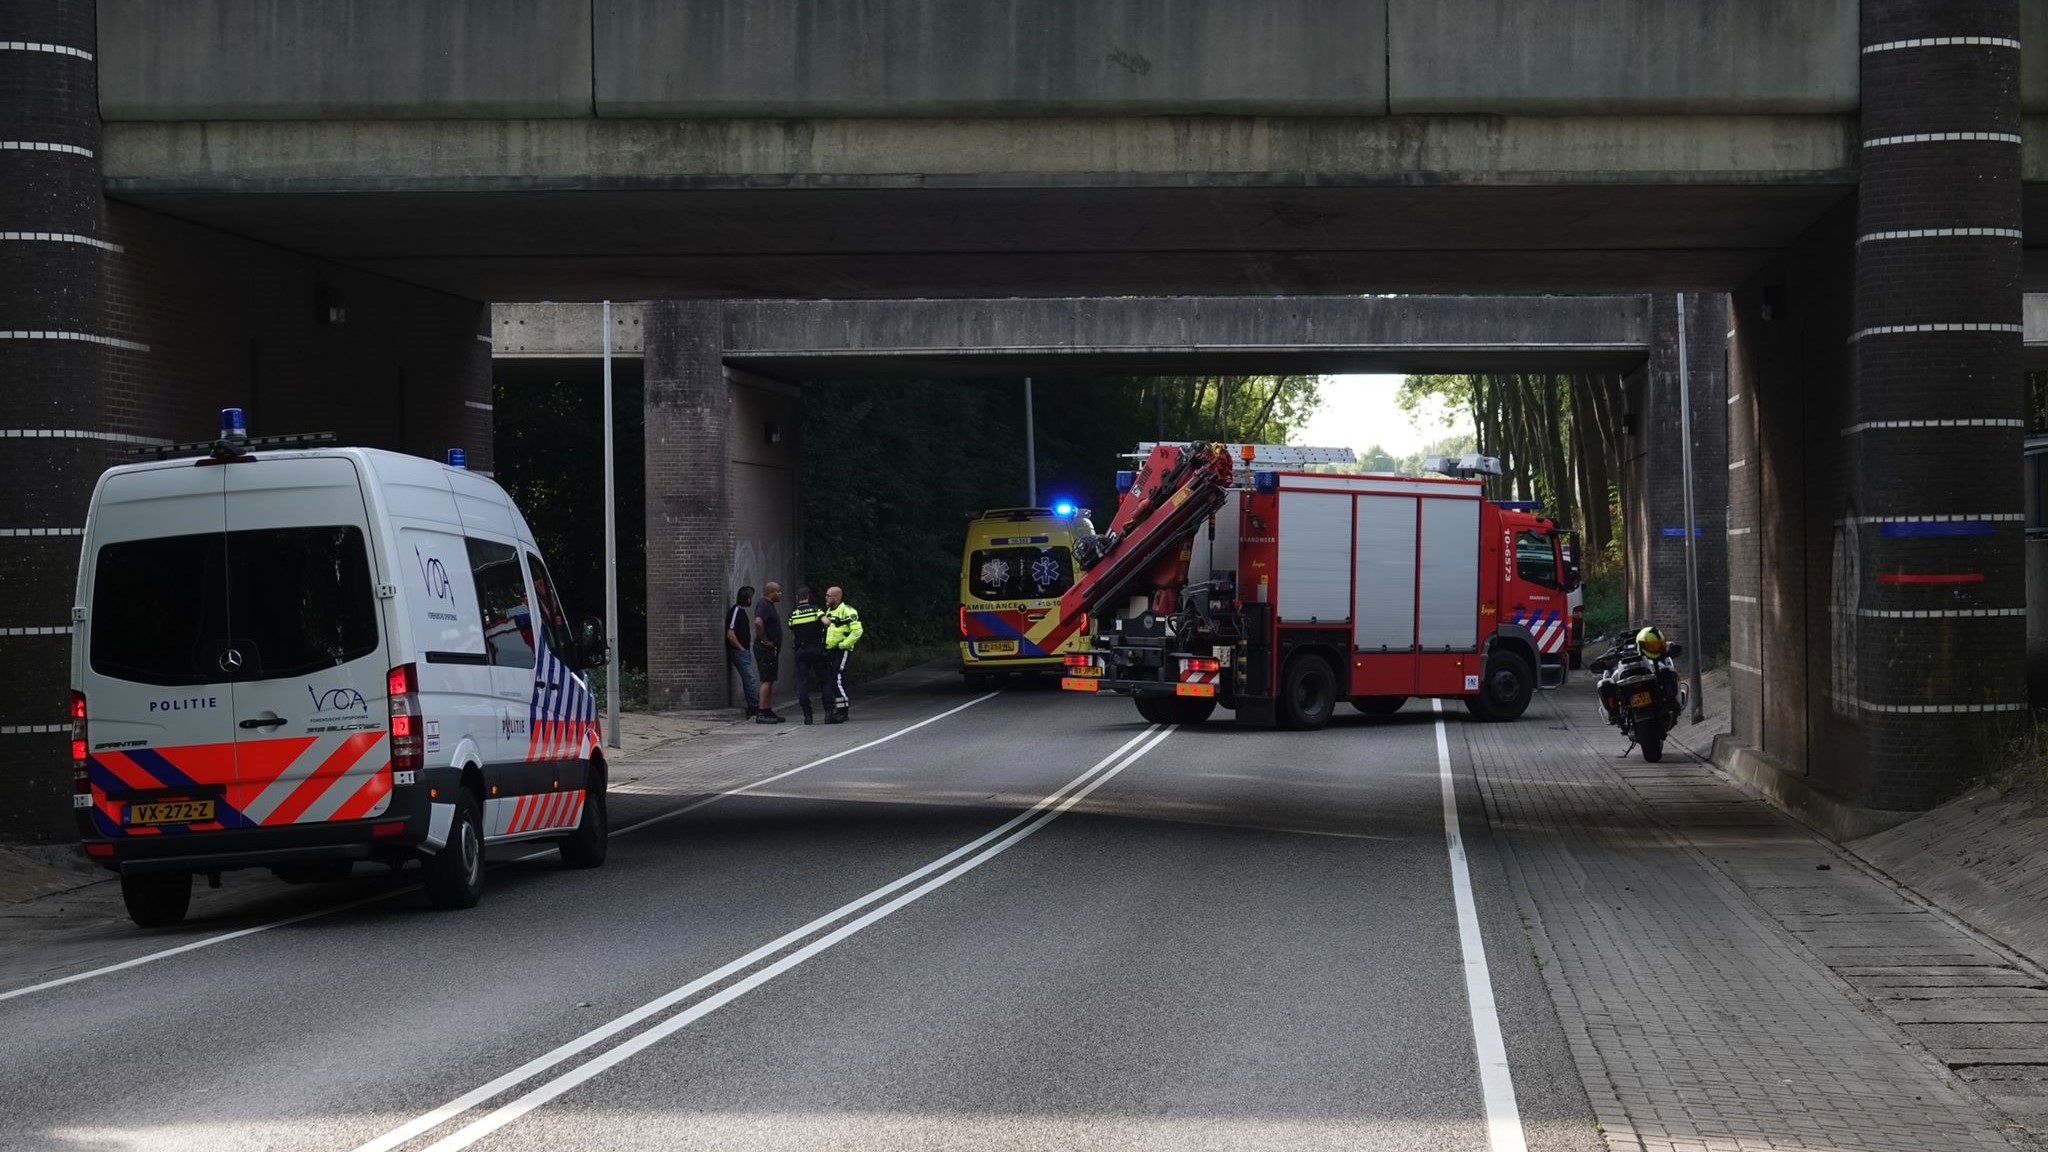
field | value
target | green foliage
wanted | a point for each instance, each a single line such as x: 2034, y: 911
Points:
x: 1606, y: 601
x: 893, y: 469
x: 550, y: 457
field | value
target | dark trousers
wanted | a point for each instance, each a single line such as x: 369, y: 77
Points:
x: 839, y: 661
x: 811, y: 670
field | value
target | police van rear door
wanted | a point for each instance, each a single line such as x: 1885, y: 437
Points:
x: 153, y: 663
x: 310, y: 705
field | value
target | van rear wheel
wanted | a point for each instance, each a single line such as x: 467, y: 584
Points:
x: 455, y: 874
x: 585, y: 847
x: 156, y: 899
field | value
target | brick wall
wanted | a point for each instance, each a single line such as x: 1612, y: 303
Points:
x: 689, y: 503
x: 1653, y: 473
x: 51, y: 430
x: 1926, y: 571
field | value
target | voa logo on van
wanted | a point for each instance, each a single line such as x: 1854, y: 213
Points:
x: 188, y: 704
x: 337, y: 699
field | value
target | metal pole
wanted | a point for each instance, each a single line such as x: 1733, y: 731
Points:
x: 612, y: 687
x: 1030, y: 449
x: 1692, y: 558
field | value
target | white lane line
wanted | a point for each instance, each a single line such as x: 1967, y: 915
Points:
x: 639, y: 824
x: 519, y: 1107
x: 534, y: 1067
x: 239, y: 933
x: 1503, y: 1115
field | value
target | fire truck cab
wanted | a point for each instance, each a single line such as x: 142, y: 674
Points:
x: 1293, y: 591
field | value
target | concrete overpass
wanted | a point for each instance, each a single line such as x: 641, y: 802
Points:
x: 751, y: 374
x: 1865, y: 176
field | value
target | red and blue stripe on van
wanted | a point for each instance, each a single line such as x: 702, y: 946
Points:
x: 253, y: 783
x: 1039, y: 632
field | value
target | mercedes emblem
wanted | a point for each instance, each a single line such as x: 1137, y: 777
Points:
x: 230, y: 660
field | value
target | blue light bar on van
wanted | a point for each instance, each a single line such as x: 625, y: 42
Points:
x: 1125, y: 481
x: 1063, y: 508
x: 1520, y: 505
x: 1265, y: 481
x: 232, y: 424
x: 457, y: 458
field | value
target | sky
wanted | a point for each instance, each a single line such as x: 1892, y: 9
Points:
x: 1358, y: 412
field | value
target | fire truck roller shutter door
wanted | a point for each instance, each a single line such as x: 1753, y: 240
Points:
x: 1314, y: 564
x: 1448, y: 619
x: 1383, y: 604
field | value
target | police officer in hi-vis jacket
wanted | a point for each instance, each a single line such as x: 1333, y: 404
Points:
x: 842, y: 632
x: 807, y: 637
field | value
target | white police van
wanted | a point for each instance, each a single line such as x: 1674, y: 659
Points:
x: 299, y: 656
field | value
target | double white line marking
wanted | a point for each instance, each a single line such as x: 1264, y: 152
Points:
x: 949, y: 868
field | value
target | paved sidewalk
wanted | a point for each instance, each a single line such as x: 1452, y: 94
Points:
x: 1729, y: 980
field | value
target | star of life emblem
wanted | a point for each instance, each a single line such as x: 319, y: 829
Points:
x: 1045, y: 570
x: 995, y: 573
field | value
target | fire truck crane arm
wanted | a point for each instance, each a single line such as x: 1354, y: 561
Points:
x: 1177, y: 488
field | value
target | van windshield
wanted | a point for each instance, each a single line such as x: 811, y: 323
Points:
x: 1019, y: 573
x: 284, y: 601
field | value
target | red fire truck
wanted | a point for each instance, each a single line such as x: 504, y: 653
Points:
x: 1278, y: 593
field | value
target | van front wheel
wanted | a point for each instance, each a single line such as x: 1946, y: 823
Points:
x: 156, y: 899
x: 455, y: 874
x: 585, y: 847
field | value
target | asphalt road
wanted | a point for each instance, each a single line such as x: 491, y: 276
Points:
x: 1035, y: 923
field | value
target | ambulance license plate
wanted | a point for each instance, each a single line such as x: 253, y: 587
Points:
x: 1639, y: 700
x: 171, y: 812
x: 996, y: 648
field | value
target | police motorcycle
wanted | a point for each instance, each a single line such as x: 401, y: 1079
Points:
x: 1640, y: 692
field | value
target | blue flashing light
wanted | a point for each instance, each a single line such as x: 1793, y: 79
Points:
x: 1265, y: 481
x: 1125, y: 481
x: 1063, y: 508
x: 232, y: 424
x: 457, y: 458
x: 1520, y: 505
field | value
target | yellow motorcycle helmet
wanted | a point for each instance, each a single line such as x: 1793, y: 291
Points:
x: 1650, y: 643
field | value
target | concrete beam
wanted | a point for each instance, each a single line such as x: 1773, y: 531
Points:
x: 1086, y: 336
x: 343, y: 59
x: 781, y: 58
x: 1564, y: 57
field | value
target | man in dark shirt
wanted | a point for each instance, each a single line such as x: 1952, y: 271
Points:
x: 739, y: 630
x: 768, y: 649
x: 807, y: 637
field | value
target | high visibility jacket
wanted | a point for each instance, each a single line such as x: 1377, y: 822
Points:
x: 807, y: 626
x: 842, y: 628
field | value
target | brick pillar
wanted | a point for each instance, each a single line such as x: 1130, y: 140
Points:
x: 689, y: 509
x: 1654, y: 476
x: 53, y: 437
x: 1926, y: 568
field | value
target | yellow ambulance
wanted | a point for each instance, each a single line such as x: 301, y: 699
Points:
x: 1015, y: 565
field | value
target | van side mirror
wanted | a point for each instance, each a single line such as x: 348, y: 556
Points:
x: 590, y: 643
x: 1571, y: 560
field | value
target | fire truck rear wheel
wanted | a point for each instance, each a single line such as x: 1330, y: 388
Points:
x: 1308, y: 693
x: 455, y: 874
x: 1505, y: 690
x: 1156, y: 709
x: 1192, y: 709
x: 156, y: 899
x: 1378, y: 705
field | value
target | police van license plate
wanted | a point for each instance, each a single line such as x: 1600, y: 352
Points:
x: 996, y: 648
x: 1639, y: 700
x: 171, y: 812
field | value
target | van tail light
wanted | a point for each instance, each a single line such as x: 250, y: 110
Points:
x: 408, y: 743
x: 963, y: 620
x: 1079, y: 660
x: 81, y: 777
